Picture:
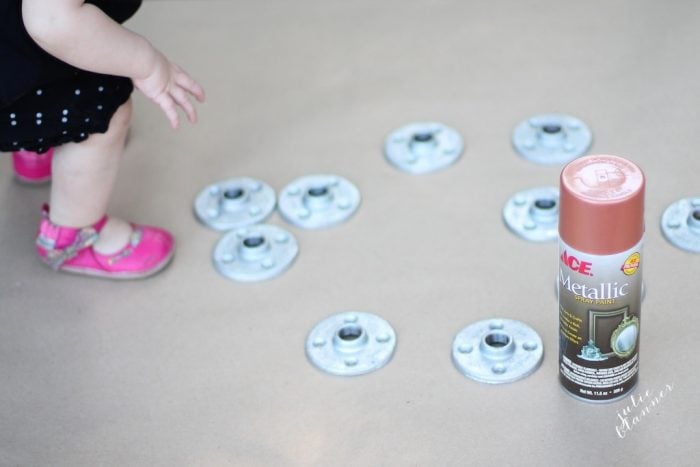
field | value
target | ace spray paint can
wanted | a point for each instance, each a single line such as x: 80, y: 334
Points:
x: 601, y: 229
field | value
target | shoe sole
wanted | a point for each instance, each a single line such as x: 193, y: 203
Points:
x: 32, y: 181
x: 123, y: 275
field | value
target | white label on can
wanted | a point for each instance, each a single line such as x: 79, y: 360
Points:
x: 599, y: 311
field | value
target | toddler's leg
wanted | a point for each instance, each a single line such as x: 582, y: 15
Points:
x: 83, y: 178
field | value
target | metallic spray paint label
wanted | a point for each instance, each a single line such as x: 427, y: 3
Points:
x: 599, y: 311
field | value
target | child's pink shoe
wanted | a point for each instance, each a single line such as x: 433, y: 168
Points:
x: 149, y: 250
x: 32, y: 167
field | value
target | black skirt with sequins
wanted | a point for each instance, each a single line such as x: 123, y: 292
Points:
x: 45, y: 102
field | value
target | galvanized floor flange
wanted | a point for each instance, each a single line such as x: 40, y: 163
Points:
x: 423, y: 147
x: 318, y: 201
x: 552, y: 139
x: 255, y: 253
x: 497, y: 351
x: 680, y: 224
x: 351, y: 343
x: 534, y: 214
x: 234, y: 203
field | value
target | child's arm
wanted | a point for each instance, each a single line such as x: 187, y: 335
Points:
x: 82, y: 35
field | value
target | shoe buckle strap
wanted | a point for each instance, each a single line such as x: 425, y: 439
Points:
x: 134, y: 241
x: 55, y: 257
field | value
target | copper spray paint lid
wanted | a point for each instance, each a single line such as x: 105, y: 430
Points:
x: 601, y: 206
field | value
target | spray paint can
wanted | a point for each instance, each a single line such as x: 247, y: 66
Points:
x: 601, y: 229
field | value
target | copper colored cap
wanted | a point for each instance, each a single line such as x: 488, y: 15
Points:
x: 601, y: 208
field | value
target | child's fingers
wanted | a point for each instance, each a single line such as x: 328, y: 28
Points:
x: 183, y: 101
x: 167, y: 104
x: 193, y: 87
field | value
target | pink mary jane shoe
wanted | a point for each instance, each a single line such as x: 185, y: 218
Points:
x: 68, y: 249
x: 32, y: 167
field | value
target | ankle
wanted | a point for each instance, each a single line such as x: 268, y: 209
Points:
x: 71, y: 220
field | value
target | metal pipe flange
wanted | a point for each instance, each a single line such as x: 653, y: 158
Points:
x: 351, y: 343
x: 318, y: 201
x: 534, y: 214
x: 497, y: 351
x: 424, y: 147
x: 234, y: 203
x: 552, y: 139
x: 255, y: 253
x: 680, y: 224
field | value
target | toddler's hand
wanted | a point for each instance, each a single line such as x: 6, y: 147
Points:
x: 169, y: 86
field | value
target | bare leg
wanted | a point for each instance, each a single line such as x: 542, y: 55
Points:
x: 83, y: 178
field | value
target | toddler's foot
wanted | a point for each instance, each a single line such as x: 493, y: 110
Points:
x: 31, y: 167
x: 114, y: 236
x: 110, y: 248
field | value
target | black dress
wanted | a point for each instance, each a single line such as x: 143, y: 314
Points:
x: 45, y: 102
